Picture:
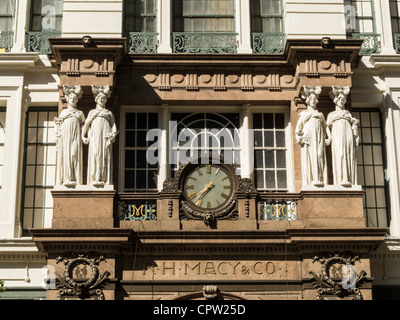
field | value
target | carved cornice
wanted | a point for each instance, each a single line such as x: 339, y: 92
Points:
x: 87, y: 65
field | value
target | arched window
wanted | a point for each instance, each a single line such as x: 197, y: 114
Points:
x: 200, y: 133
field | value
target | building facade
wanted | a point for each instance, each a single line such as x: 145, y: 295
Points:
x: 221, y: 149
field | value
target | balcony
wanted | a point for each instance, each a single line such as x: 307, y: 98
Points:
x: 370, y: 44
x: 268, y: 42
x: 204, y: 42
x: 142, y: 42
x: 396, y: 41
x: 6, y: 41
x: 38, y: 41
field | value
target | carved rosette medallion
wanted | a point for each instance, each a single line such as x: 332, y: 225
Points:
x: 328, y: 285
x: 81, y: 276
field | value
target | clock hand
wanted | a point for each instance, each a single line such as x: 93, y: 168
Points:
x: 202, y: 192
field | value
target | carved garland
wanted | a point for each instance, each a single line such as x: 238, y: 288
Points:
x: 350, y: 284
x: 68, y: 285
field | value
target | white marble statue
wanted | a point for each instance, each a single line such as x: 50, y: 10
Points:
x: 68, y: 137
x: 345, y: 139
x: 100, y: 131
x: 313, y: 134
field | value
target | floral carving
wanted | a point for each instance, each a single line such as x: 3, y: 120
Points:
x: 80, y: 285
x: 349, y: 285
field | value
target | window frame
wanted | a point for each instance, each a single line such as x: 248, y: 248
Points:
x: 32, y: 15
x: 183, y: 16
x: 385, y: 185
x: 207, y: 109
x: 269, y: 16
x: 45, y: 187
x: 140, y: 16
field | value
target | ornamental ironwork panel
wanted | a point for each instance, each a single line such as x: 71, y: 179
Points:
x: 39, y: 41
x: 142, y: 42
x: 370, y: 44
x: 278, y: 210
x: 204, y: 42
x: 396, y: 41
x: 268, y: 42
x: 136, y: 210
x: 6, y: 41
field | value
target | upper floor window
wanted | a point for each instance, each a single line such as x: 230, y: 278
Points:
x: 395, y: 21
x: 39, y: 168
x: 140, y: 25
x: 7, y: 13
x: 201, y: 133
x: 360, y: 24
x: 267, y: 26
x: 371, y: 167
x: 204, y: 26
x: 45, y: 22
x: 270, y: 165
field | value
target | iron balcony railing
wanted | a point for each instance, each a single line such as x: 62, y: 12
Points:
x: 142, y: 42
x: 204, y: 42
x: 268, y: 42
x: 396, y: 41
x: 6, y: 41
x: 38, y: 41
x: 370, y: 45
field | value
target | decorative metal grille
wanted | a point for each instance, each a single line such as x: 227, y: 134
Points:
x: 278, y: 210
x: 204, y: 42
x: 39, y: 41
x: 268, y: 42
x: 142, y: 42
x: 370, y: 44
x: 138, y: 210
x: 6, y: 41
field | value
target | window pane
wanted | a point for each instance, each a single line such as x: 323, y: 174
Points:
x: 40, y: 167
x: 139, y: 173
x: 274, y: 146
x: 371, y: 168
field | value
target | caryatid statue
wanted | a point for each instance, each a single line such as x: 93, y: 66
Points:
x: 345, y: 138
x: 313, y: 134
x: 68, y: 137
x: 100, y: 131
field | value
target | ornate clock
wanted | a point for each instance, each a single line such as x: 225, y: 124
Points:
x: 208, y: 188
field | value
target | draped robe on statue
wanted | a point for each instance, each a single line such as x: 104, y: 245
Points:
x: 313, y: 155
x: 69, y: 152
x: 102, y: 127
x: 344, y: 164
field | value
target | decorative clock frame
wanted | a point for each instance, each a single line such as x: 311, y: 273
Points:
x: 228, y: 210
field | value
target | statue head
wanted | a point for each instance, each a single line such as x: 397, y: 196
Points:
x: 311, y: 95
x: 339, y: 96
x: 101, y: 94
x: 72, y: 95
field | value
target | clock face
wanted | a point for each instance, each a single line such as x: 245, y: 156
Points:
x: 208, y: 186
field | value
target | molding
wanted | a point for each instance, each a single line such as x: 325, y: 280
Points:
x: 9, y: 60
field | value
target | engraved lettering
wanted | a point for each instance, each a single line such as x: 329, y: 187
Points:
x: 234, y: 267
x: 168, y: 268
x: 219, y: 268
x: 209, y: 269
x: 270, y: 267
x: 197, y: 265
x: 255, y: 268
